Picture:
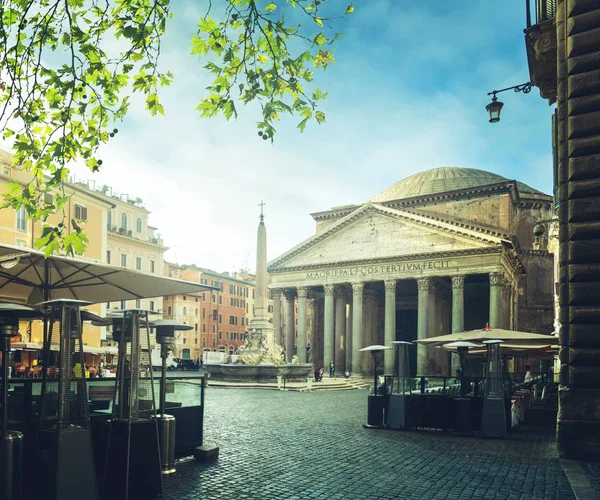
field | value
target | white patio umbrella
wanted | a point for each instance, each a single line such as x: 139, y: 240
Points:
x: 509, y: 337
x: 26, y: 276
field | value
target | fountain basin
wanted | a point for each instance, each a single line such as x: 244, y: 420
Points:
x: 259, y: 373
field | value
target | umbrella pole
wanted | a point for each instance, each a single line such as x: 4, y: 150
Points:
x: 374, y: 373
x: 5, y: 351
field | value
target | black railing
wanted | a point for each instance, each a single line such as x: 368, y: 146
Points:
x: 544, y: 11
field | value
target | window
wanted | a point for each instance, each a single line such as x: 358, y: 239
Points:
x: 123, y: 305
x: 196, y: 327
x: 21, y: 220
x: 184, y: 297
x: 80, y: 212
x: 220, y: 335
x: 270, y: 309
x: 169, y: 311
x: 220, y: 299
x: 203, y: 313
x: 185, y: 311
x: 123, y: 260
x: 203, y: 342
x: 21, y: 243
x: 215, y: 314
x: 108, y: 256
x: 138, y: 263
x: 214, y: 329
x: 196, y: 341
x: 138, y: 225
x: 152, y: 305
x: 109, y: 220
x: 253, y: 293
x: 203, y: 297
x: 242, y: 321
x: 124, y: 221
x: 196, y: 312
x: 138, y: 304
x: 226, y: 335
x: 152, y: 266
x: 220, y: 319
x: 184, y: 340
x: 214, y: 298
x: 203, y: 328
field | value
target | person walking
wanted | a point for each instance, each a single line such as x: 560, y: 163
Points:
x: 331, y: 369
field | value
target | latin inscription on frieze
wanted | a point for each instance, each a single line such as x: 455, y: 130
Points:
x: 380, y: 268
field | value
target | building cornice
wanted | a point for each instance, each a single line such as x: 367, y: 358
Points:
x: 131, y: 239
x: 429, y: 256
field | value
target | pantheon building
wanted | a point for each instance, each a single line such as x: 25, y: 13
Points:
x: 441, y: 251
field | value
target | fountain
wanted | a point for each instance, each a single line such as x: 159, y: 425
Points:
x: 260, y: 359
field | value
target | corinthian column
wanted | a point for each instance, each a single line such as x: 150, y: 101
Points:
x: 357, y: 325
x: 302, y: 294
x: 458, y: 304
x: 496, y: 284
x: 276, y: 294
x: 423, y: 286
x: 328, y: 326
x: 290, y: 329
x: 340, y: 330
x: 390, y: 324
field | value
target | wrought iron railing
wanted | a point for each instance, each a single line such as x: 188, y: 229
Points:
x: 544, y: 10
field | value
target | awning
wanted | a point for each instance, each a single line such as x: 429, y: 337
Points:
x: 100, y: 350
x: 508, y: 336
x: 27, y: 277
x: 26, y: 345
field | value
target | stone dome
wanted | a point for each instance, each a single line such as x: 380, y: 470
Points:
x: 441, y: 180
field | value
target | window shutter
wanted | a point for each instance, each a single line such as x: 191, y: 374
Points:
x: 83, y: 213
x: 555, y: 159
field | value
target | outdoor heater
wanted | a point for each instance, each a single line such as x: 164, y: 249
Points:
x: 493, y: 423
x: 165, y: 336
x: 376, y: 402
x: 398, y: 414
x: 11, y: 451
x: 65, y: 442
x: 133, y: 465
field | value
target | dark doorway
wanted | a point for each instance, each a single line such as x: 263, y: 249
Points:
x: 406, y: 329
x: 477, y: 301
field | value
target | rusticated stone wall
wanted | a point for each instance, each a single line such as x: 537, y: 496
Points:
x: 578, y: 60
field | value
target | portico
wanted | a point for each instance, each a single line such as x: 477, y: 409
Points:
x: 381, y: 298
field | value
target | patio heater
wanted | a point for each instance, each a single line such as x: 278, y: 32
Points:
x: 165, y: 336
x: 398, y: 414
x: 493, y: 422
x: 376, y: 402
x: 11, y: 451
x: 133, y: 466
x: 65, y: 441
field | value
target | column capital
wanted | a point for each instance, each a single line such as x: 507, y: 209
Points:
x: 425, y: 284
x: 302, y: 292
x: 357, y: 288
x: 329, y: 289
x: 458, y: 282
x: 339, y: 291
x: 276, y: 293
x: 496, y: 279
x: 390, y: 285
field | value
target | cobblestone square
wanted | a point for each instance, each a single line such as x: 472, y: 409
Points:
x: 291, y: 445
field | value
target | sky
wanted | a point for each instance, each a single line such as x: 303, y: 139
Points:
x: 408, y: 93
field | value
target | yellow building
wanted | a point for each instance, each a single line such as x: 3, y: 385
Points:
x: 16, y: 229
x: 118, y: 233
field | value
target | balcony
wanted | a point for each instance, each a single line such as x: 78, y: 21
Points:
x: 540, y: 43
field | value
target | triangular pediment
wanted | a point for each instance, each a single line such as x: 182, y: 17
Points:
x: 374, y: 232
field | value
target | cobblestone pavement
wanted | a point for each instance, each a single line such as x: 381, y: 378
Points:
x: 290, y: 445
x: 592, y: 472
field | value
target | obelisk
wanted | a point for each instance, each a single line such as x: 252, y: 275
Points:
x: 261, y: 347
x: 261, y: 297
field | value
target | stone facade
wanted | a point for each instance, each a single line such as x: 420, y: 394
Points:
x: 422, y: 266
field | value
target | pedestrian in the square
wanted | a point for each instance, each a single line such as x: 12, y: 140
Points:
x: 331, y: 369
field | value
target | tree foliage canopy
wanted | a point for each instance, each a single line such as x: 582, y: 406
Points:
x: 62, y: 91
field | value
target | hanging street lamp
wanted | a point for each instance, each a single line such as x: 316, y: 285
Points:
x: 495, y: 107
